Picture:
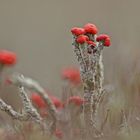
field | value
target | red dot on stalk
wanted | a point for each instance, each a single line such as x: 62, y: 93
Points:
x: 38, y: 101
x: 90, y: 28
x: 91, y: 43
x: 105, y: 39
x: 77, y: 31
x: 58, y: 104
x: 82, y: 39
x: 107, y: 42
x: 77, y: 100
x: 7, y: 58
x: 102, y: 37
x: 72, y: 74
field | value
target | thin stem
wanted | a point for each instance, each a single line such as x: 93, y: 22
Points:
x: 29, y: 109
x: 28, y: 83
x: 11, y: 112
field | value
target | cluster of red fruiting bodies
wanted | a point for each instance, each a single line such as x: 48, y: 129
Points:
x: 71, y: 74
x: 82, y: 35
x: 77, y: 101
x: 39, y: 102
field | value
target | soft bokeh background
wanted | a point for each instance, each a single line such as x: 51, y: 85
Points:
x: 39, y: 32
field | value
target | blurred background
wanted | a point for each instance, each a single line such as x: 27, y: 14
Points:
x: 39, y: 32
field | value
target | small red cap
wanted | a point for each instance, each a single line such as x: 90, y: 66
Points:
x: 90, y: 28
x: 82, y: 39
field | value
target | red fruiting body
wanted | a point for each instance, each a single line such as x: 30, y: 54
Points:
x: 38, y: 101
x: 102, y: 37
x: 58, y: 133
x: 91, y: 43
x: 77, y: 100
x: 82, y: 39
x: 107, y: 42
x: 56, y: 102
x: 105, y: 39
x: 90, y: 28
x: 72, y: 74
x: 77, y: 31
x: 7, y: 57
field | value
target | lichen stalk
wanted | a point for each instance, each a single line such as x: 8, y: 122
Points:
x: 11, y: 112
x: 28, y: 107
x: 92, y: 75
x: 30, y: 84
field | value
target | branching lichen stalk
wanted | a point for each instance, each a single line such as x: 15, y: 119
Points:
x: 30, y: 84
x: 28, y: 108
x: 91, y: 68
x: 11, y: 112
